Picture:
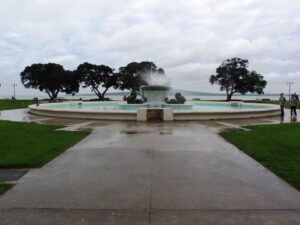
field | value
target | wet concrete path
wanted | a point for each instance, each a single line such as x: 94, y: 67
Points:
x: 151, y: 173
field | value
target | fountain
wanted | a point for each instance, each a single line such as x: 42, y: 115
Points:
x: 156, y: 106
x: 155, y: 95
x: 191, y: 110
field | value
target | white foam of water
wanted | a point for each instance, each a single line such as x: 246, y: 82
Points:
x: 158, y: 79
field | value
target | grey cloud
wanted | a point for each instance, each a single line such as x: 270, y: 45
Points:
x: 187, y: 38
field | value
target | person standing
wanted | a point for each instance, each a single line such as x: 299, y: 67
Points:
x: 282, y: 101
x: 297, y: 97
x: 294, y: 103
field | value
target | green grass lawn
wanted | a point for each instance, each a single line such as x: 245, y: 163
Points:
x: 277, y: 147
x: 28, y: 145
x: 14, y: 104
x: 4, y: 187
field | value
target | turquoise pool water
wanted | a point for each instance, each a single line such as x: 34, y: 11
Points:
x: 188, y: 106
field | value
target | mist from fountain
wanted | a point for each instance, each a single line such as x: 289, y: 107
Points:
x: 157, y: 91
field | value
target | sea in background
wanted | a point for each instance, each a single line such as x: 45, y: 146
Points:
x: 118, y: 96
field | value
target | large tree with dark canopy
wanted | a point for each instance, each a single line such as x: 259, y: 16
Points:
x: 233, y: 77
x: 134, y: 75
x: 51, y: 78
x: 99, y: 77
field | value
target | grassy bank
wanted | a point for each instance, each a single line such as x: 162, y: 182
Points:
x: 31, y: 145
x: 14, y: 104
x: 277, y: 147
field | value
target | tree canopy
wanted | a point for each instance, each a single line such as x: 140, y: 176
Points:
x: 233, y: 77
x: 134, y: 75
x: 51, y: 78
x: 97, y: 77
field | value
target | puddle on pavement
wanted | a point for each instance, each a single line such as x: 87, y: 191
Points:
x: 144, y: 131
x: 165, y: 132
x: 133, y: 132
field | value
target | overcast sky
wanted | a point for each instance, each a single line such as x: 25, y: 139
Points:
x: 189, y: 39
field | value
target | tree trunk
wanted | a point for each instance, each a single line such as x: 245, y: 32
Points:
x: 50, y: 94
x: 54, y: 95
x: 98, y: 93
x: 229, y: 96
x: 103, y: 93
x: 101, y: 97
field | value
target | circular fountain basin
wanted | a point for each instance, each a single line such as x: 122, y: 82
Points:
x: 191, y: 110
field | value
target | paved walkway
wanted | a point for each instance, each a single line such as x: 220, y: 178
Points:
x: 151, y: 173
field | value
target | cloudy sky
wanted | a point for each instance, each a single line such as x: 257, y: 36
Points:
x: 189, y: 39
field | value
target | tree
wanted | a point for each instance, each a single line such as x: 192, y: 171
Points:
x: 134, y: 75
x: 233, y: 77
x: 51, y: 78
x: 71, y: 82
x: 97, y: 76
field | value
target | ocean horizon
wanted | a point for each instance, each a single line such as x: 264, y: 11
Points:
x: 120, y: 97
